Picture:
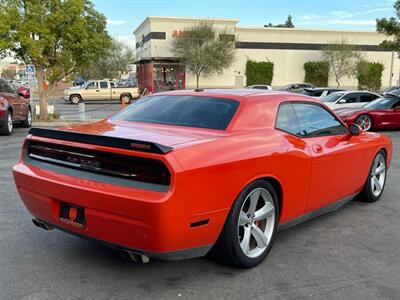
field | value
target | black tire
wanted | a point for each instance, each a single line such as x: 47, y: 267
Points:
x: 75, y: 99
x: 5, y: 130
x: 368, y: 193
x: 360, y: 121
x: 28, y: 119
x: 228, y: 247
x: 126, y: 98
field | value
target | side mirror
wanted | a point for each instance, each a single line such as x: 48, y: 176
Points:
x: 341, y: 101
x: 355, y: 129
x: 396, y: 108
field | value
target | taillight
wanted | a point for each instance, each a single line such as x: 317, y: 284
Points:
x: 111, y: 164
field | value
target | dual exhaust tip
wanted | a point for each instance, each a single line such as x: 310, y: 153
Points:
x: 125, y: 253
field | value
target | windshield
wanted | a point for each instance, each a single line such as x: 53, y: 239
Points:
x: 332, y: 97
x: 382, y: 103
x: 192, y: 111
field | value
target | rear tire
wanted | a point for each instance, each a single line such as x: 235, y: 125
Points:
x: 126, y: 98
x: 8, y: 127
x: 250, y: 227
x: 376, y: 180
x: 28, y: 119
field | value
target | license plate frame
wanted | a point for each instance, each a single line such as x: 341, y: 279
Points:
x: 72, y: 215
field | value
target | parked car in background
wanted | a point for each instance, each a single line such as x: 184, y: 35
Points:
x: 100, y: 90
x: 13, y: 109
x: 320, y: 92
x: 390, y: 90
x: 296, y: 87
x: 260, y: 87
x: 126, y: 83
x: 23, y: 91
x: 349, y: 99
x: 382, y: 113
x: 79, y: 81
x: 155, y: 180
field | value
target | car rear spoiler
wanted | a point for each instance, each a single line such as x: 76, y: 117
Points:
x: 100, y: 140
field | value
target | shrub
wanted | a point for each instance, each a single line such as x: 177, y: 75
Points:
x: 317, y: 73
x: 369, y: 75
x: 259, y: 72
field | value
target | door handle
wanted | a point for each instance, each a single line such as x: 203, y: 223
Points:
x: 97, y: 90
x: 317, y: 148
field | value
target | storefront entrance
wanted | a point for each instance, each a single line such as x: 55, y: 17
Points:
x: 161, y: 76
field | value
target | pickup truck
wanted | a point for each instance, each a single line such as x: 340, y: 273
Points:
x: 100, y: 90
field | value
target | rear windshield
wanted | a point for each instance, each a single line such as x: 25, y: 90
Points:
x: 192, y: 111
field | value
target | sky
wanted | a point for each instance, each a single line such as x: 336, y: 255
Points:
x: 125, y: 15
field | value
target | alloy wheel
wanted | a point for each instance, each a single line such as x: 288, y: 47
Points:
x: 256, y: 222
x: 378, y: 175
x: 365, y: 122
x: 10, y: 122
x: 29, y: 118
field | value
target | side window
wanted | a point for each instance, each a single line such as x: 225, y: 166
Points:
x: 351, y: 98
x: 92, y: 85
x: 287, y: 120
x: 103, y: 85
x: 366, y: 97
x: 112, y: 83
x: 314, y: 120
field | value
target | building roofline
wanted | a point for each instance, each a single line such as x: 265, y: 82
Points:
x: 301, y: 29
x: 219, y: 20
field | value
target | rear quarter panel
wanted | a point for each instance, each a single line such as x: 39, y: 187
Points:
x: 218, y: 170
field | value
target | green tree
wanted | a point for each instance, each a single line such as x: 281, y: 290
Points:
x: 113, y: 64
x: 342, y: 59
x: 391, y: 28
x: 57, y: 36
x: 369, y: 75
x: 288, y: 23
x: 259, y: 72
x: 204, y: 49
x: 316, y: 72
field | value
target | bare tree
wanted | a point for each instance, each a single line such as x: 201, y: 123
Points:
x: 204, y: 50
x: 342, y: 59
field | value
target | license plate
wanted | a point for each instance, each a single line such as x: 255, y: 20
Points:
x: 72, y: 215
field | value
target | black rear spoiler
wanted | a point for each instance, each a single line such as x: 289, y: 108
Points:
x: 100, y: 140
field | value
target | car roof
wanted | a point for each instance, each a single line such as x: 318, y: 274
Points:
x: 242, y: 95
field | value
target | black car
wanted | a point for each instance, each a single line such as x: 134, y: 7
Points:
x: 320, y: 91
x: 297, y: 87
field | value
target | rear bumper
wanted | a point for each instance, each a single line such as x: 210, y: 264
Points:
x: 157, y: 224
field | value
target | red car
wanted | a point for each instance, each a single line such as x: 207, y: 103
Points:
x: 24, y: 92
x: 13, y: 109
x: 382, y: 113
x: 177, y: 174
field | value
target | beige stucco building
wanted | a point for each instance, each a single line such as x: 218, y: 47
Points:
x: 287, y: 48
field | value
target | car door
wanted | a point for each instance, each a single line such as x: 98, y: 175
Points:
x: 348, y: 100
x: 391, y: 117
x: 91, y: 91
x: 338, y: 161
x: 8, y: 93
x: 105, y: 91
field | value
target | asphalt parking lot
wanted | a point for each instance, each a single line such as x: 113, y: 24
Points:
x: 93, y: 109
x: 353, y: 253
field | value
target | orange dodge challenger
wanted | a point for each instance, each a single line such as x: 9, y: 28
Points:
x: 180, y: 173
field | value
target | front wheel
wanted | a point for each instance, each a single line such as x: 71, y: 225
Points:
x: 8, y: 127
x: 75, y: 99
x: 365, y: 122
x: 375, y: 183
x: 251, y: 225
